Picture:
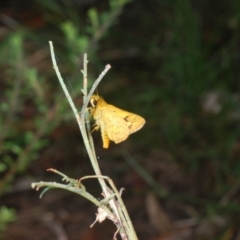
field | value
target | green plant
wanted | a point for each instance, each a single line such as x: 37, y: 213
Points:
x: 111, y: 206
x: 7, y: 215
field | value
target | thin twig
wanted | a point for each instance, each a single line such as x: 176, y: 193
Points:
x: 119, y: 214
x: 79, y: 191
x: 62, y: 82
x: 107, y: 67
x: 118, y: 195
x: 81, y: 121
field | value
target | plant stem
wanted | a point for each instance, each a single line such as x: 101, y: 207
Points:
x: 121, y: 218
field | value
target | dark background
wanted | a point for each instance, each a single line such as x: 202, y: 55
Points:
x: 176, y: 63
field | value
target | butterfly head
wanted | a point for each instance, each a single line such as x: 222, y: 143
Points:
x: 94, y: 100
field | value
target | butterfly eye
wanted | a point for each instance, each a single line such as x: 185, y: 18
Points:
x: 93, y: 102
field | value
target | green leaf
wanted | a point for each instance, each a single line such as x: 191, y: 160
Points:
x: 3, y: 167
x: 44, y: 191
x: 6, y: 215
x: 93, y: 16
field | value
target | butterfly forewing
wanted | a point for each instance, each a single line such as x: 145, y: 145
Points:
x: 115, y: 126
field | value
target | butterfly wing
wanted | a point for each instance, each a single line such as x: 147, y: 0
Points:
x: 134, y: 121
x: 114, y: 125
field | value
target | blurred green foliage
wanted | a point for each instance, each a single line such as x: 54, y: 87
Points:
x: 7, y: 215
x: 28, y: 107
x: 174, y: 62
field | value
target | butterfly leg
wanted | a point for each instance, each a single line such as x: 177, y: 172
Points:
x: 95, y: 128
